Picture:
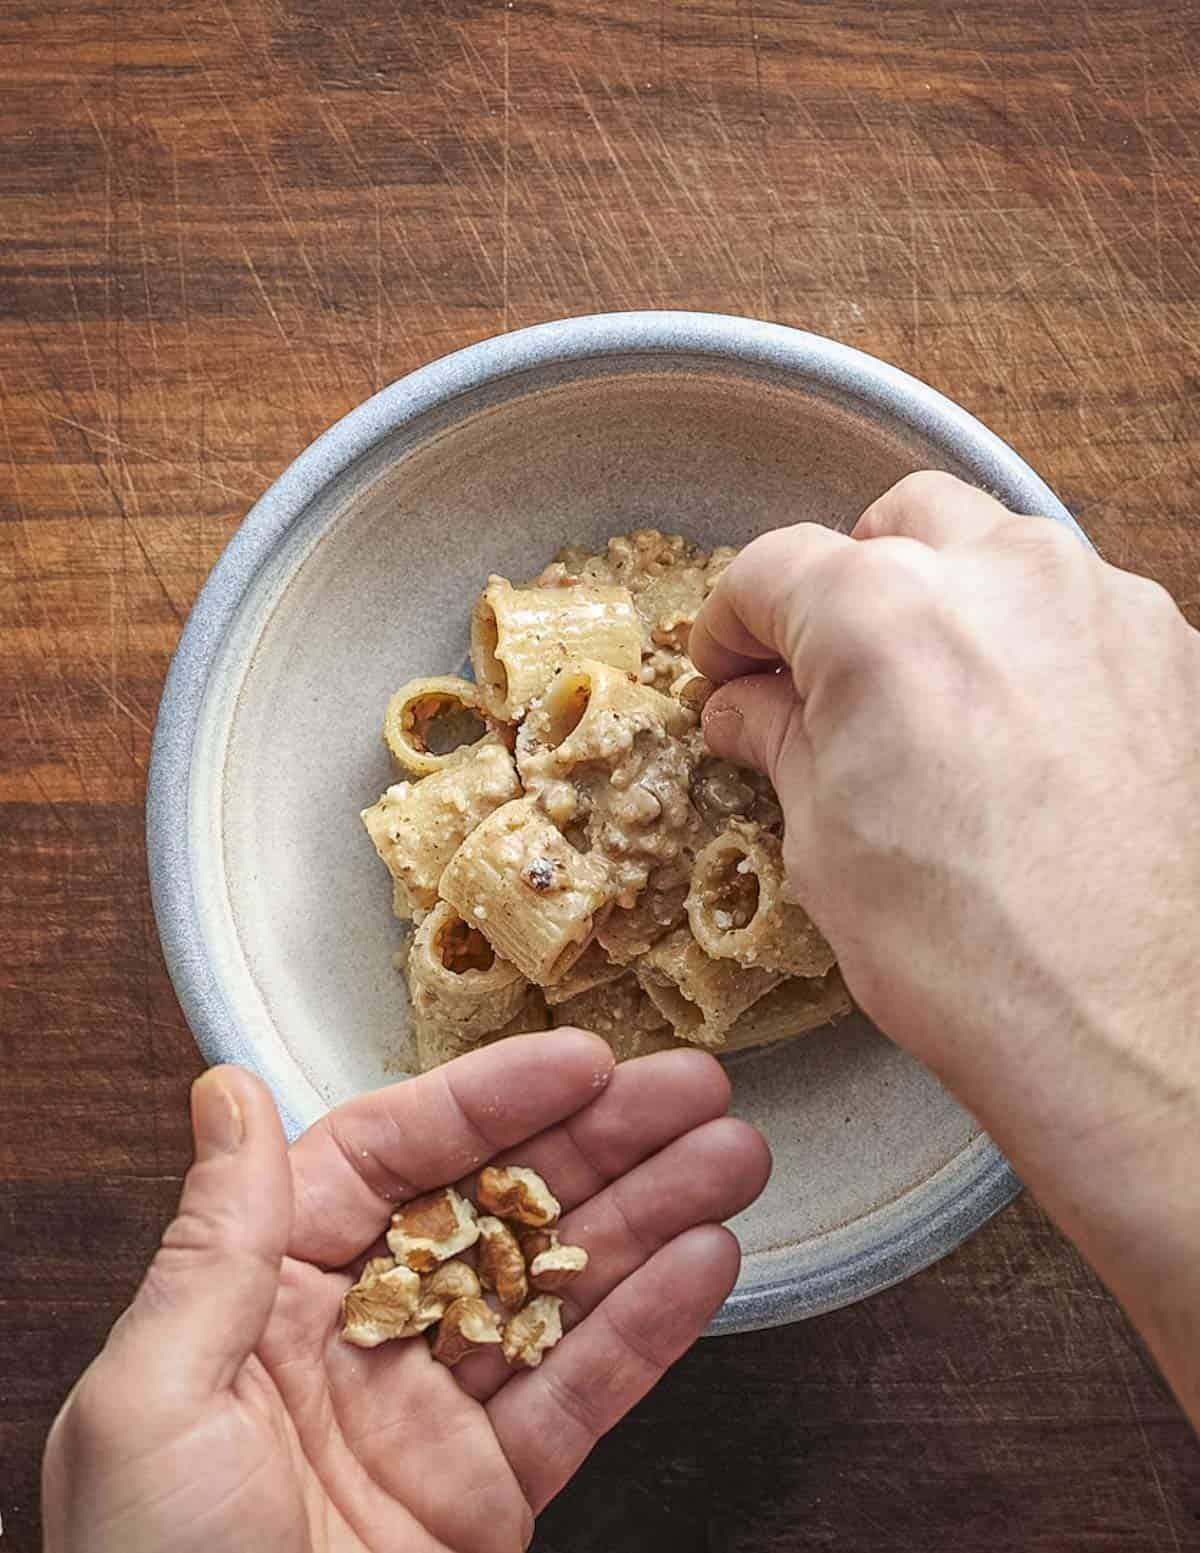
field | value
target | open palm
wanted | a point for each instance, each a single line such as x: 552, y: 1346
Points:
x: 225, y: 1412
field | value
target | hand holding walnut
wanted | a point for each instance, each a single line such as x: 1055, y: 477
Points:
x: 226, y: 1410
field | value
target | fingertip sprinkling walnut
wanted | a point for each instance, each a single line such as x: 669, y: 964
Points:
x: 467, y: 1326
x: 381, y: 1305
x: 516, y: 1192
x: 431, y: 1229
x: 555, y: 1267
x: 502, y: 1264
x: 533, y: 1331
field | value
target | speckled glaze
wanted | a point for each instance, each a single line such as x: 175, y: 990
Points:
x: 357, y: 570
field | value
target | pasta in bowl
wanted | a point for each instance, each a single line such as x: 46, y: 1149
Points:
x: 563, y: 848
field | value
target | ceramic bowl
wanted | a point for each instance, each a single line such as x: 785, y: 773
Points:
x: 357, y: 570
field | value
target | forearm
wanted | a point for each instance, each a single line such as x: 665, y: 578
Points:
x: 1129, y: 1202
x: 1099, y: 1112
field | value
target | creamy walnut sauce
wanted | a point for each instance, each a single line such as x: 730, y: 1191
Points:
x: 587, y: 846
x: 630, y: 779
x: 619, y: 782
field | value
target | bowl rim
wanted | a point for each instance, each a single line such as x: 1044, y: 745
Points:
x: 948, y: 1210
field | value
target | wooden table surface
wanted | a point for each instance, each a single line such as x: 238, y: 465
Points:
x: 224, y: 224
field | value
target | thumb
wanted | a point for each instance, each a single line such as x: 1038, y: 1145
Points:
x: 206, y: 1297
x: 759, y: 721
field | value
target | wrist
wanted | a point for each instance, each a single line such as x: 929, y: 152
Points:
x: 1103, y: 1125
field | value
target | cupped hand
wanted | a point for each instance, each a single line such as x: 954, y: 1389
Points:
x: 225, y: 1412
x: 987, y: 745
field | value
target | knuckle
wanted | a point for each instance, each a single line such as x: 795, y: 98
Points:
x: 875, y: 595
x: 925, y: 486
x: 1148, y: 597
x: 767, y: 551
x: 581, y: 1407
x: 1048, y: 545
x: 907, y: 499
x: 783, y: 726
x: 196, y: 1240
x: 193, y: 1231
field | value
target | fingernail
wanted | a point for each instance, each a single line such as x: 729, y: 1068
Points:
x: 217, y: 1119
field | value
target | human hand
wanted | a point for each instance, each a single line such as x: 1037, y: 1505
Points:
x: 987, y: 745
x: 225, y: 1412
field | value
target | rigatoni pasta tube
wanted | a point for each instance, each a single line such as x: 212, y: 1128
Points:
x: 418, y: 826
x: 437, y: 1043
x: 520, y: 637
x: 797, y: 1005
x: 457, y: 980
x: 432, y: 723
x: 701, y: 997
x: 603, y: 750
x: 592, y: 713
x: 629, y: 932
x: 526, y: 887
x: 621, y: 1014
x: 592, y: 969
x: 737, y: 911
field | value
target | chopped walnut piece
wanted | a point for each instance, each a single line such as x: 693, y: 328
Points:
x: 515, y: 1192
x: 693, y: 690
x: 534, y: 1241
x: 451, y: 1281
x: 431, y: 1229
x: 533, y: 1331
x: 502, y: 1264
x: 550, y: 1263
x: 467, y: 1326
x: 381, y: 1305
x: 445, y: 1284
x: 556, y: 1266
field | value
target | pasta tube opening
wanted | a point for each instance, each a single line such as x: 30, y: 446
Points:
x: 534, y: 896
x: 733, y: 892
x: 439, y: 724
x: 432, y: 723
x: 459, y: 984
x: 737, y: 911
x: 461, y: 947
x: 565, y: 706
x: 520, y: 638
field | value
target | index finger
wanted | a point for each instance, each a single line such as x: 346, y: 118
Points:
x: 754, y: 616
x: 353, y: 1166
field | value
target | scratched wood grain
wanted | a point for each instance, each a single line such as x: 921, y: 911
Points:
x: 225, y: 224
